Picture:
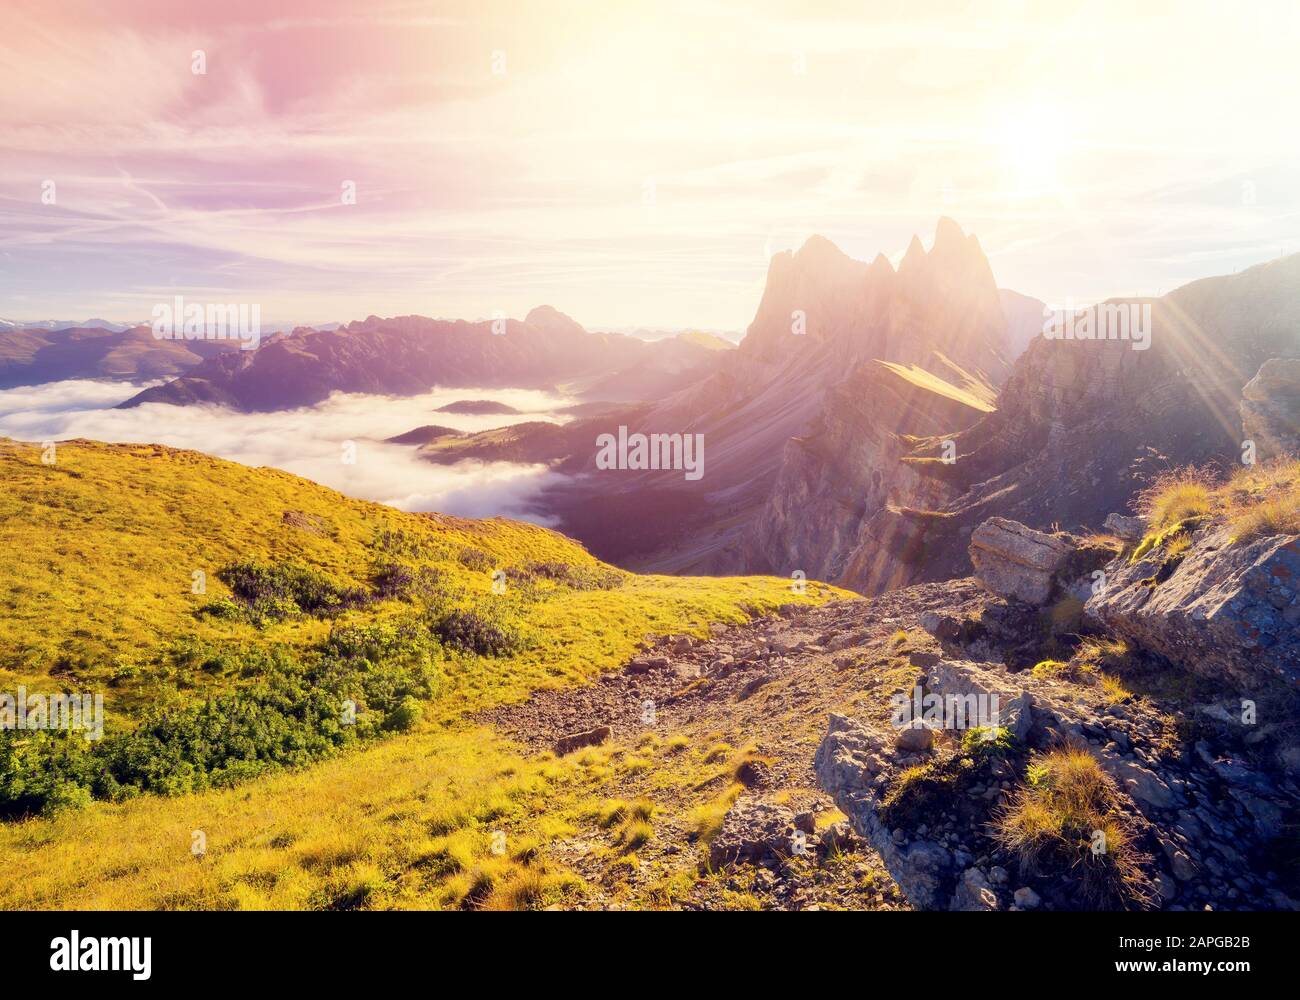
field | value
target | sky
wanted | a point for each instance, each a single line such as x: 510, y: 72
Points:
x: 634, y: 164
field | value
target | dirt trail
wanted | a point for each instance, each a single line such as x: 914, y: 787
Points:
x: 727, y: 728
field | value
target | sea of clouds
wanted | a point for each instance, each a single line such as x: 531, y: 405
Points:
x: 308, y: 442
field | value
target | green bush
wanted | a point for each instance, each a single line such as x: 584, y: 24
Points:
x: 65, y: 796
x: 481, y: 633
x: 405, y: 716
x: 291, y: 714
x: 271, y: 592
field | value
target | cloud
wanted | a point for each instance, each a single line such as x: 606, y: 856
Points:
x: 312, y: 443
x: 479, y: 191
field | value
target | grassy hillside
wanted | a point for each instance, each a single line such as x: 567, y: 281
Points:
x: 308, y: 712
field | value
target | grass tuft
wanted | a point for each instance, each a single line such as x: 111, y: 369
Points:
x: 1064, y: 821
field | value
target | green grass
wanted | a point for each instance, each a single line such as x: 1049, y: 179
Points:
x: 97, y: 559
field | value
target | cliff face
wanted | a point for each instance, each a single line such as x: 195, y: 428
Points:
x: 850, y: 464
x: 804, y: 426
x: 1081, y: 425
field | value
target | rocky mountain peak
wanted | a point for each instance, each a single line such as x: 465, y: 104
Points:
x: 553, y: 321
x: 914, y: 258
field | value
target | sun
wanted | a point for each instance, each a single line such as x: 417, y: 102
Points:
x: 1031, y: 142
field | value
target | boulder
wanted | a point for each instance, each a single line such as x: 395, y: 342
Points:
x: 974, y: 893
x: 1270, y: 409
x: 942, y: 627
x: 914, y: 738
x: 1225, y: 610
x: 751, y: 830
x: 971, y: 689
x: 1026, y: 898
x: 1130, y: 529
x: 1013, y: 560
x: 587, y: 738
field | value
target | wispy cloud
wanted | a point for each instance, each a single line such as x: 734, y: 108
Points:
x: 631, y: 163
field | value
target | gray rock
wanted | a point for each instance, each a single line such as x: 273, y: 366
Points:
x: 847, y: 763
x: 1222, y: 611
x: 1143, y: 785
x: 974, y: 892
x: 940, y: 626
x: 971, y: 689
x: 914, y: 738
x: 1026, y: 898
x: 1130, y: 529
x: 1013, y: 560
x: 1270, y: 409
x: 751, y: 830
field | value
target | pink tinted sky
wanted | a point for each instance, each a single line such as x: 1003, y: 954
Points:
x: 630, y: 163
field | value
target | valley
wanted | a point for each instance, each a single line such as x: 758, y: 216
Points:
x: 678, y: 686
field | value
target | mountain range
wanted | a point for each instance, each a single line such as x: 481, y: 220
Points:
x: 33, y: 355
x: 825, y: 450
x: 871, y: 416
x: 406, y: 355
x: 530, y: 727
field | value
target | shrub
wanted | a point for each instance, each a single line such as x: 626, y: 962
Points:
x: 405, y: 716
x: 291, y: 714
x: 270, y: 592
x: 476, y: 559
x: 393, y: 581
x: 1055, y: 822
x: 1174, y: 497
x: 65, y: 796
x: 577, y: 577
x: 478, y: 632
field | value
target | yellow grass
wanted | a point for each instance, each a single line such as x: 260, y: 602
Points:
x: 97, y: 554
x: 1256, y: 501
x: 928, y: 380
x: 1063, y: 820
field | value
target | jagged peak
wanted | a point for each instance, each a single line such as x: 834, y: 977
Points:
x: 549, y: 318
x: 880, y: 265
x: 817, y: 249
x: 948, y: 233
x: 914, y: 256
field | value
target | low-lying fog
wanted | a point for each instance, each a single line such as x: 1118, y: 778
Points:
x: 307, y: 442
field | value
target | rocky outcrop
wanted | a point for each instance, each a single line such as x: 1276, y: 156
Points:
x: 1081, y: 426
x: 1196, y: 817
x: 1124, y: 527
x: 1015, y: 561
x: 1270, y: 409
x: 1222, y: 609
